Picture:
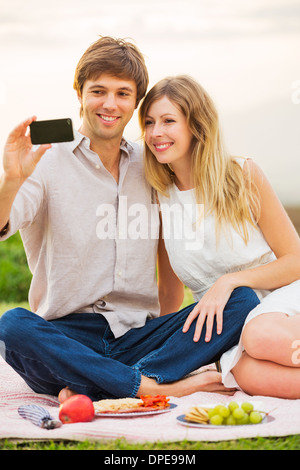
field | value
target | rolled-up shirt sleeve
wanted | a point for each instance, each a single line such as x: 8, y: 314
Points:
x: 26, y: 206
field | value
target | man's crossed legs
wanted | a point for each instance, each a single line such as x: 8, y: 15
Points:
x: 79, y: 352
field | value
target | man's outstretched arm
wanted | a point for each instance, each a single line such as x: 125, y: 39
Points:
x: 18, y: 163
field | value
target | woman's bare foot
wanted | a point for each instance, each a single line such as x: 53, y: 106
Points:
x: 207, y: 381
x: 65, y: 393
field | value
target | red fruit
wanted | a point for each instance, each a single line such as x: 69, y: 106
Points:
x: 76, y: 409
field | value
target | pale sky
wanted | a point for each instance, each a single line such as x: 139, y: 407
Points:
x: 244, y: 52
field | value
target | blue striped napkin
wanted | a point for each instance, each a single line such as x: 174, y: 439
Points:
x: 39, y: 416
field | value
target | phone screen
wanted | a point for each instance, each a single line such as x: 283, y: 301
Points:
x: 51, y: 131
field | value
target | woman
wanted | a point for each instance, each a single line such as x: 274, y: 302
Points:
x: 242, y: 236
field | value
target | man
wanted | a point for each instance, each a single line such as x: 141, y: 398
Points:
x: 96, y: 327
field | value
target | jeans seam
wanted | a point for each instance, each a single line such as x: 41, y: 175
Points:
x: 107, y: 352
x: 159, y: 379
x: 137, y: 383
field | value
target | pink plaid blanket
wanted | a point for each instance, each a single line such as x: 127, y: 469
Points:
x: 155, y: 428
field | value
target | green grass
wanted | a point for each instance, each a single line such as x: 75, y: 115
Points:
x: 259, y: 443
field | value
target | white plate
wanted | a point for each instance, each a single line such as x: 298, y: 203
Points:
x: 135, y: 414
x: 257, y: 405
x: 181, y: 419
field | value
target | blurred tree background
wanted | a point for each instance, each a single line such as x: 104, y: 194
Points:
x: 15, y: 276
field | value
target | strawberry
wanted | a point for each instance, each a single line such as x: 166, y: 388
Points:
x: 77, y: 408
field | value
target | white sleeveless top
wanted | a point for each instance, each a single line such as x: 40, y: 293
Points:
x: 195, y: 254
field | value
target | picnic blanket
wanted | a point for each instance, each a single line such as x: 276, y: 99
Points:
x: 165, y: 427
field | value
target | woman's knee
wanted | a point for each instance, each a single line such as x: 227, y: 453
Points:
x: 254, y: 338
x: 270, y: 336
x: 260, y: 335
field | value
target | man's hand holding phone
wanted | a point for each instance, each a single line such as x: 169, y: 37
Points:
x: 18, y: 163
x: 19, y: 158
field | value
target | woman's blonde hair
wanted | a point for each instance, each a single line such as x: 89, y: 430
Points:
x: 219, y: 180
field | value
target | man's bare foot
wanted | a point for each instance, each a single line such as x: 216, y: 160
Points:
x: 65, y: 393
x: 207, y: 381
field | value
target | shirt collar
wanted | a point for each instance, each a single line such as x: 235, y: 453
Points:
x: 125, y: 146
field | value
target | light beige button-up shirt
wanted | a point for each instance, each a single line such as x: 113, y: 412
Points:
x: 91, y: 243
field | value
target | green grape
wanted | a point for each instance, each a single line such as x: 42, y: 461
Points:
x: 214, y: 411
x: 234, y: 415
x: 243, y: 420
x: 230, y: 421
x: 247, y: 407
x: 217, y: 409
x: 255, y: 417
x: 238, y: 413
x: 224, y: 411
x: 216, y: 420
x: 232, y: 405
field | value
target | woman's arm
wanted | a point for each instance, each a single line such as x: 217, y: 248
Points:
x: 281, y: 236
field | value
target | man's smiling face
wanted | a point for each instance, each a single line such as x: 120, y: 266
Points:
x: 108, y: 103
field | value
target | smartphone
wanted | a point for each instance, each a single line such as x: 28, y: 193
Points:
x: 52, y: 131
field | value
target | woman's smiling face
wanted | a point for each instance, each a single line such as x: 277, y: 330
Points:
x: 166, y: 132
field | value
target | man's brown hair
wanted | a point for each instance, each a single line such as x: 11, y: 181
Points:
x: 116, y: 57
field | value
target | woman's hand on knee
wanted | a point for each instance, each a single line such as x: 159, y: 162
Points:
x: 210, y: 309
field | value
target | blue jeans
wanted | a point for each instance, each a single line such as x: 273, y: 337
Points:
x: 80, y: 351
